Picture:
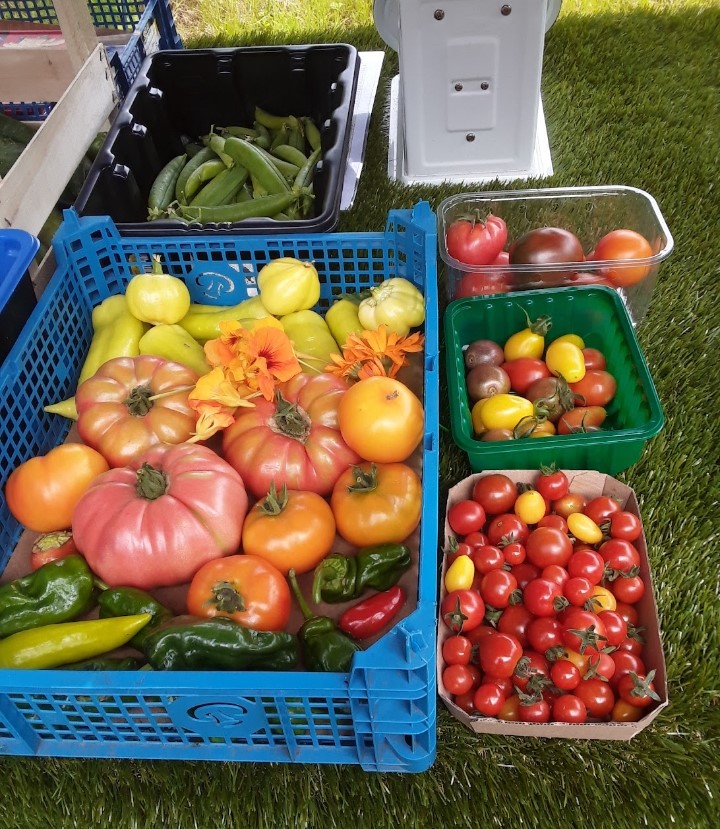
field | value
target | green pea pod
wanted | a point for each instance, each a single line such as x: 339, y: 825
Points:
x: 224, y: 187
x: 282, y: 136
x: 58, y: 591
x: 312, y: 133
x: 217, y: 143
x: 268, y: 120
x: 162, y: 191
x: 291, y: 154
x: 257, y: 163
x: 240, y: 132
x: 187, y: 643
x: 207, y: 171
x: 255, y: 208
x: 201, y: 156
x: 287, y: 168
x: 307, y: 171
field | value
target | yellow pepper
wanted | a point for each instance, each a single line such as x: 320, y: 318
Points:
x: 287, y: 285
x: 343, y: 319
x: 396, y: 303
x: 202, y: 322
x: 67, y: 642
x: 311, y: 339
x: 172, y: 342
x: 116, y: 333
x: 460, y: 574
x: 157, y: 297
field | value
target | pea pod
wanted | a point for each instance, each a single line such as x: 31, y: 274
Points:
x: 312, y: 133
x: 287, y: 168
x: 207, y: 171
x: 268, y: 120
x: 162, y: 191
x: 240, y: 132
x: 307, y: 171
x: 217, y: 142
x: 263, y: 206
x: 224, y: 187
x: 252, y: 157
x: 201, y: 156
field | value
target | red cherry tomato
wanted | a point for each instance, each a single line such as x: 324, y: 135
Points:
x: 457, y: 650
x: 507, y: 528
x: 536, y: 711
x: 457, y: 679
x: 628, y: 589
x: 540, y: 597
x: 615, y: 627
x: 488, y: 699
x: 588, y: 564
x: 515, y: 620
x: 547, y: 545
x: 625, y: 525
x: 544, y: 633
x: 487, y: 558
x: 466, y: 517
x: 568, y: 504
x: 619, y: 554
x: 556, y: 573
x: 524, y: 573
x: 462, y: 610
x: 514, y: 553
x: 553, y: 520
x: 638, y: 690
x: 569, y: 708
x: 593, y: 359
x: 524, y: 371
x: 552, y: 484
x: 497, y: 588
x: 496, y: 493
x: 584, y: 631
x: 597, y: 388
x: 624, y: 245
x: 601, y: 508
x: 499, y: 654
x: 597, y: 695
x: 565, y: 675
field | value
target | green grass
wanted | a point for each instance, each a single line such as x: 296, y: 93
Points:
x: 632, y: 96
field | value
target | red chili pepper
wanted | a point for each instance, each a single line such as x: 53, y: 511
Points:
x: 371, y: 615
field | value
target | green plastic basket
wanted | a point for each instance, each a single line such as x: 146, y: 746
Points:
x: 598, y: 315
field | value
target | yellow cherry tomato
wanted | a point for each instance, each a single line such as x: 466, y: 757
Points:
x: 575, y: 339
x: 530, y: 506
x: 460, y: 574
x: 565, y: 359
x: 530, y: 342
x: 602, y: 599
x: 543, y: 429
x: 584, y: 528
x: 503, y: 411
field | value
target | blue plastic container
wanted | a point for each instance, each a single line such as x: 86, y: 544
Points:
x: 382, y: 713
x: 17, y: 296
x: 151, y: 23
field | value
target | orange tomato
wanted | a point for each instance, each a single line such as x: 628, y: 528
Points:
x: 42, y: 492
x: 381, y: 419
x: 292, y: 530
x: 623, y: 246
x: 245, y: 588
x: 377, y: 503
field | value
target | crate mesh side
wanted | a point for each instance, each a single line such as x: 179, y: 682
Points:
x: 123, y: 14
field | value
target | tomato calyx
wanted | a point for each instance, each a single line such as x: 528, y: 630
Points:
x: 611, y: 574
x: 290, y: 420
x: 273, y: 503
x: 642, y: 686
x: 555, y: 653
x: 365, y: 480
x: 151, y: 483
x: 540, y: 326
x: 226, y: 598
x: 589, y: 637
x: 456, y: 618
x: 51, y: 541
x: 139, y: 401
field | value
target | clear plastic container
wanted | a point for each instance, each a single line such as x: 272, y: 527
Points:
x: 589, y: 212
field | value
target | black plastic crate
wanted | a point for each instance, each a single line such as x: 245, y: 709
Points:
x: 180, y: 95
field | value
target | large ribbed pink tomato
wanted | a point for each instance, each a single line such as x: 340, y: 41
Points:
x: 156, y: 521
x: 294, y: 440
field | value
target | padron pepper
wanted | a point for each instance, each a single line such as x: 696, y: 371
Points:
x: 340, y: 578
x: 187, y: 643
x: 116, y: 333
x: 129, y: 601
x: 105, y: 663
x: 56, y: 592
x: 324, y: 646
x: 53, y: 645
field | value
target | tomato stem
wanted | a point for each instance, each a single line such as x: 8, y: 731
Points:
x: 151, y: 482
x: 226, y: 598
x: 273, y: 503
x: 365, y: 479
x: 289, y: 419
x: 139, y: 402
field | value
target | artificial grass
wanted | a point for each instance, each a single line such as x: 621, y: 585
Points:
x: 632, y: 96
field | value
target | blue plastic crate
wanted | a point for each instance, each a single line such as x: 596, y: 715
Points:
x: 153, y: 28
x: 17, y: 296
x: 382, y: 714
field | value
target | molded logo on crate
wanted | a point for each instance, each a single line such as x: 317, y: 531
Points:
x: 227, y: 285
x: 218, y: 717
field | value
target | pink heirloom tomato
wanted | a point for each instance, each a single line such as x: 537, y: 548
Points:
x: 155, y: 522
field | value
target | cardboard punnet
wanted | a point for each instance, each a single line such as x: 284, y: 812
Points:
x: 590, y: 484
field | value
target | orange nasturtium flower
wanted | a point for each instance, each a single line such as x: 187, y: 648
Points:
x: 374, y: 352
x: 246, y: 363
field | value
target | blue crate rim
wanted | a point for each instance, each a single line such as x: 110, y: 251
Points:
x: 14, y: 265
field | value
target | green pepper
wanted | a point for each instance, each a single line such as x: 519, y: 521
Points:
x: 129, y: 601
x: 56, y: 592
x: 105, y: 663
x: 188, y: 643
x: 53, y: 645
x: 339, y: 578
x: 324, y: 647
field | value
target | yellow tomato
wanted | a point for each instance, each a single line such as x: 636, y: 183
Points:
x: 602, y: 599
x: 460, y: 574
x: 530, y: 342
x: 544, y: 429
x: 575, y: 339
x: 381, y: 419
x: 503, y: 411
x: 565, y: 359
x: 530, y: 506
x: 584, y: 528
